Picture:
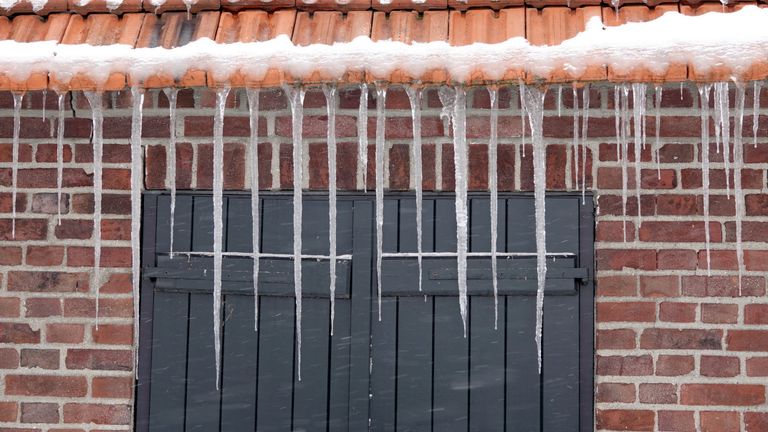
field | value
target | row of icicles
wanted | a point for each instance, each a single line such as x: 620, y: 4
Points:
x: 453, y: 100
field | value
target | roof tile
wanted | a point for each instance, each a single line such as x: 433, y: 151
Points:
x: 180, y: 5
x: 416, y: 5
x: 102, y: 6
x: 490, y: 4
x: 26, y: 7
x: 333, y: 5
x: 31, y: 28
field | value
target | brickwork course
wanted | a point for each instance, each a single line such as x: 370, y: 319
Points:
x: 676, y: 350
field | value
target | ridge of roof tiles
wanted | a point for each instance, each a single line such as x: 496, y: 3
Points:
x: 119, y: 7
x: 550, y: 25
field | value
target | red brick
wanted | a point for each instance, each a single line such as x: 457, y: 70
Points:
x: 478, y: 167
x: 660, y: 393
x: 45, y: 255
x: 49, y: 282
x: 64, y: 333
x: 722, y: 394
x: 677, y: 312
x: 619, y: 286
x: 79, y: 307
x: 756, y: 421
x: 610, y: 178
x: 39, y: 413
x: 8, y: 411
x: 97, y: 413
x: 676, y: 421
x: 674, y: 365
x: 48, y: 203
x: 10, y: 307
x: 673, y: 231
x: 747, y: 340
x: 718, y: 260
x: 757, y: 366
x: 234, y: 161
x: 618, y: 419
x: 618, y: 259
x: 155, y: 167
x: 18, y: 333
x: 615, y: 392
x: 615, y: 231
x: 112, y: 387
x: 626, y: 311
x: 720, y: 421
x: 74, y: 229
x: 53, y: 386
x: 717, y: 313
x: 756, y: 260
x: 655, y: 338
x: 116, y: 307
x: 756, y: 204
x: 116, y: 229
x: 113, y: 334
x: 10, y: 255
x: 26, y: 229
x: 9, y: 358
x: 616, y: 339
x: 625, y: 365
x: 40, y: 358
x: 722, y: 286
x: 756, y: 314
x: 99, y: 359
x: 399, y: 167
x: 719, y: 366
x: 659, y: 286
x: 118, y: 283
x: 680, y: 205
x: 47, y: 153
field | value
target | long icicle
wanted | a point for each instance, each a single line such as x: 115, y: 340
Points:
x: 493, y: 151
x: 218, y: 221
x: 658, y: 90
x: 253, y: 146
x: 738, y: 162
x: 171, y: 94
x: 756, y: 87
x: 381, y: 99
x: 17, y: 99
x: 95, y: 100
x: 535, y: 102
x: 296, y: 99
x: 624, y: 134
x: 137, y: 166
x: 638, y: 103
x: 575, y: 142
x: 414, y: 95
x: 704, y: 90
x: 59, y: 153
x: 523, y: 111
x: 460, y: 158
x: 362, y: 133
x: 584, y: 135
x: 617, y: 118
x: 330, y: 103
x: 726, y: 133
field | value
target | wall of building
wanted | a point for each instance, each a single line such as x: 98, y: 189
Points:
x: 676, y: 349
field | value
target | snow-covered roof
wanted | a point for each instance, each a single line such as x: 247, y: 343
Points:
x: 669, y: 42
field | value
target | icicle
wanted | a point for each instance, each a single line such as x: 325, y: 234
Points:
x: 330, y: 102
x: 535, y: 102
x: 617, y: 118
x: 584, y: 132
x: 45, y: 97
x: 95, y: 100
x: 137, y: 165
x: 575, y: 144
x: 617, y: 3
x: 493, y: 144
x: 362, y: 133
x: 59, y: 154
x: 414, y: 95
x: 523, y: 111
x: 757, y: 86
x: 704, y: 90
x: 381, y: 99
x: 253, y: 145
x: 718, y: 114
x: 17, y: 98
x: 218, y: 220
x: 725, y: 121
x: 638, y: 105
x: 657, y: 112
x: 296, y: 99
x: 171, y: 94
x: 624, y: 150
x: 460, y: 161
x: 559, y: 100
x: 738, y: 162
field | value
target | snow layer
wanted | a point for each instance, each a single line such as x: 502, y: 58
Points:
x: 735, y: 40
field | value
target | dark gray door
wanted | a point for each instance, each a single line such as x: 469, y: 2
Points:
x: 411, y: 371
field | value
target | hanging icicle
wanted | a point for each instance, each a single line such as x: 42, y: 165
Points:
x: 330, y: 103
x: 171, y: 94
x: 362, y: 133
x: 17, y: 98
x: 559, y: 100
x: 414, y: 96
x: 95, y: 100
x: 535, y: 102
x: 657, y: 144
x: 584, y: 135
x: 617, y: 118
x: 253, y: 146
x: 218, y: 221
x: 738, y: 163
x: 624, y: 140
x: 137, y: 175
x: 493, y: 151
x: 704, y: 90
x: 575, y: 141
x: 523, y: 112
x: 460, y: 161
x: 638, y: 105
x: 296, y: 99
x: 722, y: 99
x: 757, y: 86
x: 59, y: 153
x: 381, y: 99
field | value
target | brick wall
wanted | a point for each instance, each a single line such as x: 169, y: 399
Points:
x: 676, y: 350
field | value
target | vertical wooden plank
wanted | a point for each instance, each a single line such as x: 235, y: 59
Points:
x: 202, y: 220
x: 344, y: 226
x: 523, y: 400
x: 414, y: 363
x: 203, y: 398
x: 563, y: 224
x: 239, y: 366
x: 310, y: 395
x: 487, y: 369
x: 338, y: 404
x: 277, y: 214
x: 407, y: 226
x: 480, y: 226
x: 521, y: 237
x: 445, y: 225
x: 276, y: 365
x: 383, y: 367
x: 146, y: 315
x: 315, y: 226
x: 560, y: 373
x: 586, y: 259
x: 450, y: 374
x: 169, y: 360
x: 238, y: 225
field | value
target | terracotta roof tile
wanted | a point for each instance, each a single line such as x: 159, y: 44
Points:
x: 100, y: 6
x: 31, y: 28
x: 490, y: 4
x: 267, y: 5
x: 333, y: 5
x: 26, y: 7
x: 179, y: 5
x: 416, y: 5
